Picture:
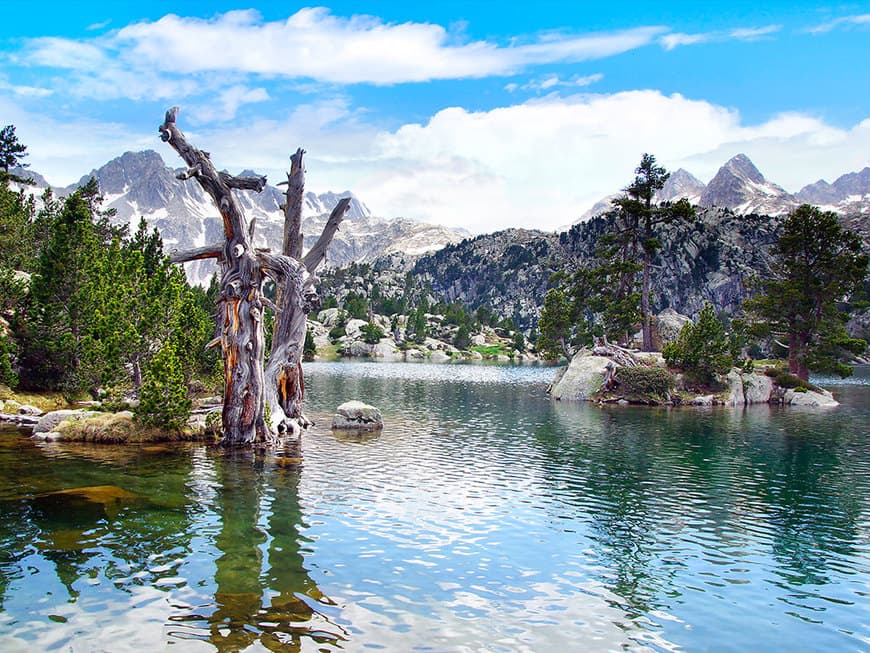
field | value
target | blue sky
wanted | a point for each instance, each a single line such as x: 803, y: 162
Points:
x: 475, y: 114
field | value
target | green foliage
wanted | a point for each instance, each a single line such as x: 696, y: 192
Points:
x: 8, y: 376
x: 372, y: 333
x: 11, y: 149
x: 338, y: 329
x: 462, y: 339
x: 17, y: 214
x: 519, y: 341
x: 702, y: 350
x: 163, y: 401
x: 789, y: 381
x: 329, y: 302
x: 357, y: 306
x: 418, y: 324
x: 563, y: 325
x: 102, y: 304
x: 622, y: 279
x: 490, y: 351
x: 816, y: 264
x: 654, y: 382
x: 309, y: 349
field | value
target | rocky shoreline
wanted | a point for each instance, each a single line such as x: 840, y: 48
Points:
x: 586, y: 379
x: 335, y: 335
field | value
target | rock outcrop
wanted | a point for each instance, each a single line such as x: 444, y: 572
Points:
x: 582, y: 378
x: 357, y: 416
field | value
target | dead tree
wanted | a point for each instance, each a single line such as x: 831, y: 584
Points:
x: 247, y: 386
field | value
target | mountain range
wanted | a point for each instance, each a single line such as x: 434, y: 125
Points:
x: 740, y: 187
x: 140, y: 184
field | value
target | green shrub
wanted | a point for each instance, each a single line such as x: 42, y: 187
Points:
x: 644, y: 380
x: 309, y: 348
x: 789, y: 381
x: 163, y: 400
x: 8, y: 376
x: 371, y: 333
x: 702, y: 350
x: 462, y: 339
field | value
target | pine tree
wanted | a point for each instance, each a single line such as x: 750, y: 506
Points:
x: 11, y: 149
x: 309, y: 348
x: 817, y: 264
x: 703, y: 349
x: 163, y: 401
x: 64, y: 303
x: 634, y: 245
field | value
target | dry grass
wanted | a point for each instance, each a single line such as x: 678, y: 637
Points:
x: 116, y: 428
x: 45, y: 401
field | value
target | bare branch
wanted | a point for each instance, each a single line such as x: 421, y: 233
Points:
x: 317, y: 253
x: 200, y: 165
x: 215, y: 250
x: 292, y: 245
x: 257, y: 183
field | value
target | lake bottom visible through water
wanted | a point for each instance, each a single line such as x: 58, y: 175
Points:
x: 485, y: 517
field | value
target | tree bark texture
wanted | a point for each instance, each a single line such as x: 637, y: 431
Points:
x: 241, y: 297
x: 248, y: 387
x: 297, y: 297
x: 646, y: 328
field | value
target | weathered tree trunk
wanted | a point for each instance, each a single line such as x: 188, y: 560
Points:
x: 247, y: 387
x: 241, y: 296
x: 297, y: 297
x: 797, y: 356
x: 644, y: 303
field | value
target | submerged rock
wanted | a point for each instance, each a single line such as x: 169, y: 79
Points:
x: 357, y: 416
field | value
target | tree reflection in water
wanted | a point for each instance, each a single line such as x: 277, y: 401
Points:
x: 263, y: 590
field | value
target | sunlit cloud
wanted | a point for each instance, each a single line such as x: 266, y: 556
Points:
x: 676, y: 39
x: 315, y: 44
x: 552, y: 82
x: 858, y: 20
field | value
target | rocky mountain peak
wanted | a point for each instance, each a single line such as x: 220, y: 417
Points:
x: 128, y: 169
x: 681, y: 183
x: 741, y: 166
x: 740, y: 186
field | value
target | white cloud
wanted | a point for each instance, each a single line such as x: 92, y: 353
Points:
x: 539, y: 164
x: 228, y: 102
x: 754, y: 33
x: 63, y: 150
x: 24, y: 90
x: 550, y: 82
x: 313, y: 43
x: 859, y: 20
x: 676, y: 39
x: 542, y: 163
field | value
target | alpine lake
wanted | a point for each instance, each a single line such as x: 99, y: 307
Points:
x: 485, y: 517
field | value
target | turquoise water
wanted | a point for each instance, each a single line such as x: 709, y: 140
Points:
x: 484, y: 518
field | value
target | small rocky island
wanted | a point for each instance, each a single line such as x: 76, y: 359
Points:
x: 595, y: 376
